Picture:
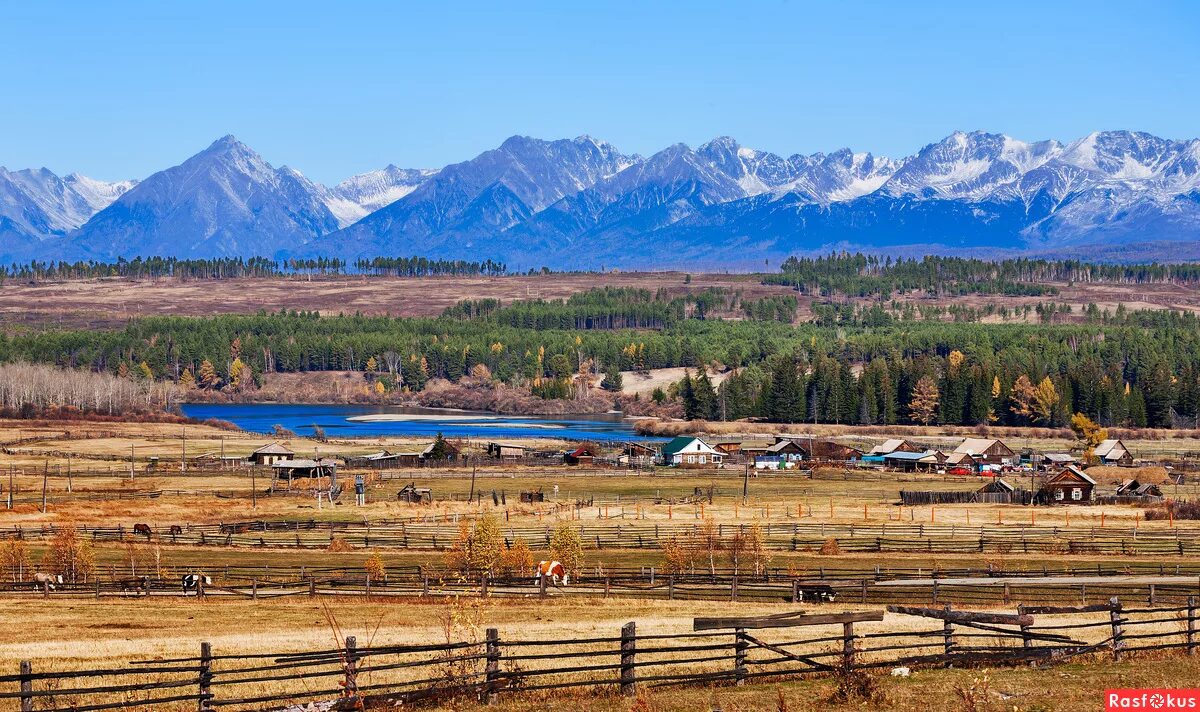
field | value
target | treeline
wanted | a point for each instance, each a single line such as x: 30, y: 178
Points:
x: 29, y: 389
x: 624, y: 308
x: 234, y: 267
x: 1141, y: 372
x: 870, y: 275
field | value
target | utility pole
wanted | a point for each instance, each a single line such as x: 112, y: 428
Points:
x: 746, y: 485
x: 69, y: 481
x: 471, y: 495
x: 10, y: 486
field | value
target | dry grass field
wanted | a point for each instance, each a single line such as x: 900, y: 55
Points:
x: 110, y: 302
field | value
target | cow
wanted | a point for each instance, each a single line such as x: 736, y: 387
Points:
x: 139, y: 585
x: 818, y: 594
x: 47, y: 581
x: 143, y: 529
x: 553, y: 571
x: 193, y: 582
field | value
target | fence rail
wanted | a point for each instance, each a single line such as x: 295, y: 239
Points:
x: 730, y: 651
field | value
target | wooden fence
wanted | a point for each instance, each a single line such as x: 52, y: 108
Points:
x: 717, y: 651
x: 619, y: 529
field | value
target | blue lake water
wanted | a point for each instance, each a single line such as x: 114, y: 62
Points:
x: 338, y: 421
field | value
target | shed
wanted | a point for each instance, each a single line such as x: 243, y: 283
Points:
x: 912, y: 461
x: 415, y: 495
x: 582, y: 455
x: 506, y: 451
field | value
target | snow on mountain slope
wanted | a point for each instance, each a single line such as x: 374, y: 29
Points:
x: 224, y: 201
x: 40, y: 204
x: 362, y: 194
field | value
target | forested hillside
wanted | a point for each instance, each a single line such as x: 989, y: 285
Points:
x: 1138, y: 368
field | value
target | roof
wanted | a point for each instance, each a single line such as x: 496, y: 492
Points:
x: 998, y: 484
x: 1059, y: 457
x: 1072, y: 470
x: 887, y: 446
x: 977, y: 446
x: 499, y: 443
x: 272, y: 449
x: 780, y: 445
x: 678, y: 444
x: 1114, y: 448
x: 911, y: 456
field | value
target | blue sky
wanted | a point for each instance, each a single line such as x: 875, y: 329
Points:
x: 120, y: 89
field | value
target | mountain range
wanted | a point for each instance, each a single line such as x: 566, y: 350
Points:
x: 583, y: 204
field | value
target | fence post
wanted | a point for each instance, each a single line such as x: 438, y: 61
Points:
x: 351, y: 682
x: 671, y: 587
x: 26, y: 686
x: 492, y: 670
x: 542, y: 585
x: 254, y: 589
x: 1153, y: 599
x: 628, y: 653
x: 739, y: 656
x: 1115, y: 616
x: 848, y: 645
x: 864, y: 591
x: 1191, y: 625
x: 205, y: 677
x: 312, y: 587
x: 795, y: 590
x: 1026, y: 642
x: 483, y: 586
x: 948, y: 635
x: 733, y: 586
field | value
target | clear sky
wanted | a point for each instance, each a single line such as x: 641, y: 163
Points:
x: 120, y: 89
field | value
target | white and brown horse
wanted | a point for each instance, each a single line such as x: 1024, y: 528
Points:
x: 44, y: 580
x: 554, y: 572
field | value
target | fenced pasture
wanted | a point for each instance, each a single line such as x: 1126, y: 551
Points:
x: 718, y: 651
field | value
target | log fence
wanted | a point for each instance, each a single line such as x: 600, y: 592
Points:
x: 733, y: 650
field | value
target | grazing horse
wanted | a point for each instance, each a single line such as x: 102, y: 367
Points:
x: 139, y: 585
x: 192, y: 582
x: 176, y: 529
x: 143, y: 529
x: 553, y: 571
x: 47, y: 580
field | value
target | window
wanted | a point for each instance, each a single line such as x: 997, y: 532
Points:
x: 691, y: 459
x: 702, y: 459
x: 1077, y: 494
x: 1058, y: 494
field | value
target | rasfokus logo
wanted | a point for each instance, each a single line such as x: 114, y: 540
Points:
x: 1151, y: 700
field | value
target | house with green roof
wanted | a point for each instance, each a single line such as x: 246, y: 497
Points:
x: 688, y: 451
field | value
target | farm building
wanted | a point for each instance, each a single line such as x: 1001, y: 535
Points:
x: 270, y: 454
x: 686, y: 451
x: 830, y: 450
x: 325, y: 467
x: 997, y: 486
x: 582, y: 455
x: 1069, y: 486
x: 1113, y: 452
x: 1059, y: 459
x: 914, y: 461
x: 962, y: 459
x: 415, y: 495
x: 452, y: 451
x: 1134, y: 488
x: 787, y: 450
x: 634, y: 454
x: 386, y: 458
x: 887, y: 447
x: 988, y: 451
x: 506, y: 451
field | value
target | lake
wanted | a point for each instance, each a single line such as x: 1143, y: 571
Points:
x: 349, y: 421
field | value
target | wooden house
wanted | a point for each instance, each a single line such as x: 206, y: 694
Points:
x: 1055, y: 460
x: 452, y: 449
x: 887, y: 447
x: 1070, y: 486
x: 303, y: 467
x: 1113, y: 452
x: 636, y: 454
x: 988, y: 451
x: 270, y: 454
x: 832, y: 451
x: 415, y: 495
x: 687, y: 451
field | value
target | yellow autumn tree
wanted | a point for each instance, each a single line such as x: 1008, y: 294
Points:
x: 1089, y: 432
x: 187, y: 379
x: 238, y: 374
x: 145, y: 371
x: 207, y: 377
x: 924, y: 404
x: 1045, y: 399
x: 1021, y: 395
x: 372, y: 365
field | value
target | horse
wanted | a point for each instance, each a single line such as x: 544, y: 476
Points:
x: 176, y: 530
x: 143, y: 529
x: 553, y: 571
x: 139, y: 585
x: 193, y: 582
x: 44, y: 580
